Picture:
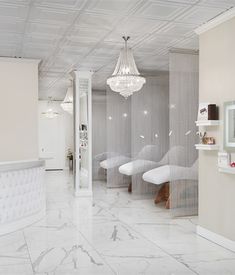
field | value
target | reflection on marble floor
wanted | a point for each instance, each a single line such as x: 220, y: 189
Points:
x: 109, y: 234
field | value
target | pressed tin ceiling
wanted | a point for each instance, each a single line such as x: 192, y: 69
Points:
x: 86, y: 34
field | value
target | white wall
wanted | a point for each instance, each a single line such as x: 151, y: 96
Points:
x: 217, y: 85
x: 55, y: 136
x: 18, y: 109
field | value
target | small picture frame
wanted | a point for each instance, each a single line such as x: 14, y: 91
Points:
x: 203, y: 111
x: 224, y: 159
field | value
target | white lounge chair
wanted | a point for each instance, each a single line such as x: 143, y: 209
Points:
x: 97, y: 172
x: 142, y: 164
x: 116, y: 160
x: 167, y: 173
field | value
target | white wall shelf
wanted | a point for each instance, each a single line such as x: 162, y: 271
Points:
x: 207, y: 122
x: 227, y: 169
x: 207, y: 147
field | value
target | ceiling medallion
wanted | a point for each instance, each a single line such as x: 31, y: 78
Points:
x: 126, y: 78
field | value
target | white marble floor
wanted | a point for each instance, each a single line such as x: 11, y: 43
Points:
x: 111, y: 234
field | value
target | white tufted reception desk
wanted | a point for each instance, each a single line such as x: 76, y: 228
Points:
x: 22, y: 194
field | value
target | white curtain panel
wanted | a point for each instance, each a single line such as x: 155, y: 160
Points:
x: 150, y: 128
x: 183, y: 103
x: 118, y: 121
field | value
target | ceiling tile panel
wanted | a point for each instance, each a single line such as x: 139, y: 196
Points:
x: 88, y: 34
x: 111, y: 6
x: 45, y: 29
x: 16, y: 2
x: 93, y: 21
x: 161, y: 10
x: 177, y: 29
x: 62, y: 4
x: 7, y: 50
x: 136, y: 28
x: 41, y: 40
x: 10, y: 38
x: 36, y: 51
x: 161, y: 40
x: 11, y: 27
x: 51, y: 16
x: 13, y: 11
x: 199, y: 15
x: 218, y: 3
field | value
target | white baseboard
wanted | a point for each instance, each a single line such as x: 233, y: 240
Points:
x: 216, y: 238
x: 20, y: 224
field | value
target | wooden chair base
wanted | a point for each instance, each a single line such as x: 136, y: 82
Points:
x: 130, y: 187
x: 163, y: 195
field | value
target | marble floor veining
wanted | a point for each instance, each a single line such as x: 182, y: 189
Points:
x: 112, y: 233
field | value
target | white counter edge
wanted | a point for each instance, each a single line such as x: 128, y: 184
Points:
x: 19, y: 165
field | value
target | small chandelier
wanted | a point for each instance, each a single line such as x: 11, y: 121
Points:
x: 50, y: 112
x: 67, y: 104
x: 126, y: 78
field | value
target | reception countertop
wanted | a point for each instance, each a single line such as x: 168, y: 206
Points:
x: 22, y: 200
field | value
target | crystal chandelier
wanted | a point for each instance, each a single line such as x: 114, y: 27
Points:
x: 126, y: 78
x: 67, y: 104
x: 50, y: 112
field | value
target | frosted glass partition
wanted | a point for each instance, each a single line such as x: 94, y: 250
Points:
x: 183, y: 113
x: 150, y: 128
x: 83, y: 133
x: 118, y: 137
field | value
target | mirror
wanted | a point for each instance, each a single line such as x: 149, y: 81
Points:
x: 82, y: 130
x: 229, y: 126
x: 83, y: 134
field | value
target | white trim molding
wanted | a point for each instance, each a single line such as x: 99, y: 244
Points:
x: 216, y: 238
x: 20, y: 60
x: 223, y: 17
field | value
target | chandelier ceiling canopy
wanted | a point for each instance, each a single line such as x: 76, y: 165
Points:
x: 126, y: 78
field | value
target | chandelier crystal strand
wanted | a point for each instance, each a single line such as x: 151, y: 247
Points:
x: 126, y: 78
x: 50, y: 112
x: 67, y: 104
